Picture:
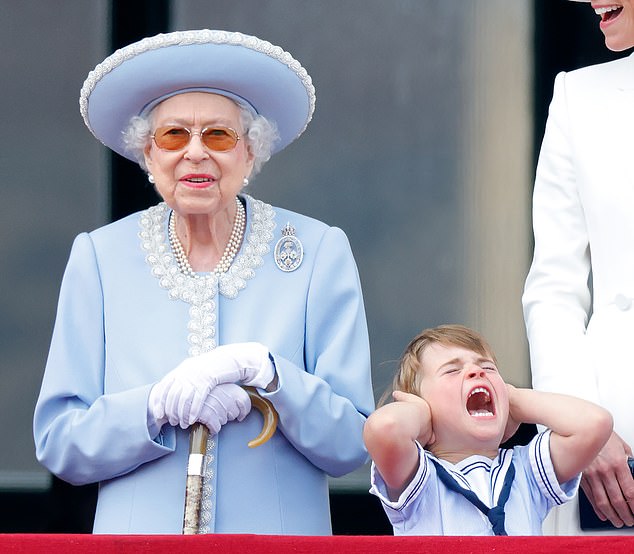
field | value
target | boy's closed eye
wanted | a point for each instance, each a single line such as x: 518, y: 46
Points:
x: 450, y: 370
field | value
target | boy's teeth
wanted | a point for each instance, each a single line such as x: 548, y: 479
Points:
x: 479, y: 389
x: 480, y: 406
x: 481, y: 413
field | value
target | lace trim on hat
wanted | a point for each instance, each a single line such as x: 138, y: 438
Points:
x: 185, y: 38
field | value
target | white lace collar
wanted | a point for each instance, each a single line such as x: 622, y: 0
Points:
x: 200, y: 292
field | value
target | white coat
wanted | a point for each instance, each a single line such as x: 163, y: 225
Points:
x: 579, y: 294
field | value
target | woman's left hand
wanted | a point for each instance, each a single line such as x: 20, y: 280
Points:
x: 224, y: 403
x: 609, y: 485
x: 180, y: 395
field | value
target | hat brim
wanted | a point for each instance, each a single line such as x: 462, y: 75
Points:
x: 245, y: 68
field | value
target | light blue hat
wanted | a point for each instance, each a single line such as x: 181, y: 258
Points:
x: 254, y: 72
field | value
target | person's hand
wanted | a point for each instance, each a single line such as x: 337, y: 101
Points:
x: 226, y: 402
x: 426, y: 435
x: 401, y: 396
x: 512, y: 424
x: 180, y: 395
x: 609, y: 485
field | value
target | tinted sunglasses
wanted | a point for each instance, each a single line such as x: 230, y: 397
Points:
x: 174, y: 137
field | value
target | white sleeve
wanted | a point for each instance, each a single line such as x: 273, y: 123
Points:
x: 556, y: 297
x: 395, y: 508
x: 543, y: 471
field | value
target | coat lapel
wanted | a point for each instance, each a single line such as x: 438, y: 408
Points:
x: 627, y: 82
x: 623, y: 112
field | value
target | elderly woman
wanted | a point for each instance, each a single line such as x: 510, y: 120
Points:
x: 166, y: 314
x: 580, y: 330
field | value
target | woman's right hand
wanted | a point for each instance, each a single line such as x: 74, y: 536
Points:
x: 609, y: 485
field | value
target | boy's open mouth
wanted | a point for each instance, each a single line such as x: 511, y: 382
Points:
x: 479, y: 403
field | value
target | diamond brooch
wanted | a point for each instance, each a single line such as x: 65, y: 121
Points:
x: 289, y: 251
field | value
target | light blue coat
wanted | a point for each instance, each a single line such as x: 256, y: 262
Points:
x: 117, y: 332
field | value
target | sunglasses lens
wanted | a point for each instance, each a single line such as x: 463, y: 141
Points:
x: 219, y: 139
x: 171, y: 138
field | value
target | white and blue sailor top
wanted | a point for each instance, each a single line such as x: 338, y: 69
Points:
x: 428, y: 507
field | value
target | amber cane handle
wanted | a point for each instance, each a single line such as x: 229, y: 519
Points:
x: 195, y: 473
x: 269, y: 414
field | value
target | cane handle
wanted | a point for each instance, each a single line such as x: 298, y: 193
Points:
x: 269, y: 414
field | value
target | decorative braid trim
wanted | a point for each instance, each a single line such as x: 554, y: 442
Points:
x: 186, y: 38
x: 200, y: 291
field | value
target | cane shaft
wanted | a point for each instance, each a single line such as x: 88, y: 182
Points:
x: 195, y: 474
x: 193, y: 497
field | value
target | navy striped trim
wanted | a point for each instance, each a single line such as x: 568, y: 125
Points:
x: 419, y: 483
x: 499, y: 473
x: 541, y: 467
x: 476, y: 465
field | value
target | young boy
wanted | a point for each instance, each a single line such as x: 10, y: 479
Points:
x: 437, y: 466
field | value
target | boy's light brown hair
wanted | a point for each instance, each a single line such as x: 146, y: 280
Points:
x: 409, y: 375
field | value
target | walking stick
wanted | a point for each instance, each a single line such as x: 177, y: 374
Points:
x: 195, y: 474
x: 197, y: 447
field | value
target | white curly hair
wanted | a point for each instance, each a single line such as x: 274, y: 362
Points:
x: 261, y: 135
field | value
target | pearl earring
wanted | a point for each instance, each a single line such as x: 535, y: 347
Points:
x: 150, y: 178
x: 245, y: 182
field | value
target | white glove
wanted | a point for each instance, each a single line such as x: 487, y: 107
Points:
x: 224, y: 403
x: 180, y: 395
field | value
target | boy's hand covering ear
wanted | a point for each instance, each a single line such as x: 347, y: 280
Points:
x: 512, y: 425
x: 401, y: 396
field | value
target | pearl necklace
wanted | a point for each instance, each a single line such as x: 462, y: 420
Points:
x: 223, y: 265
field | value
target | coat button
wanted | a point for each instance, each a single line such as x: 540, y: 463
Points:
x: 622, y: 302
